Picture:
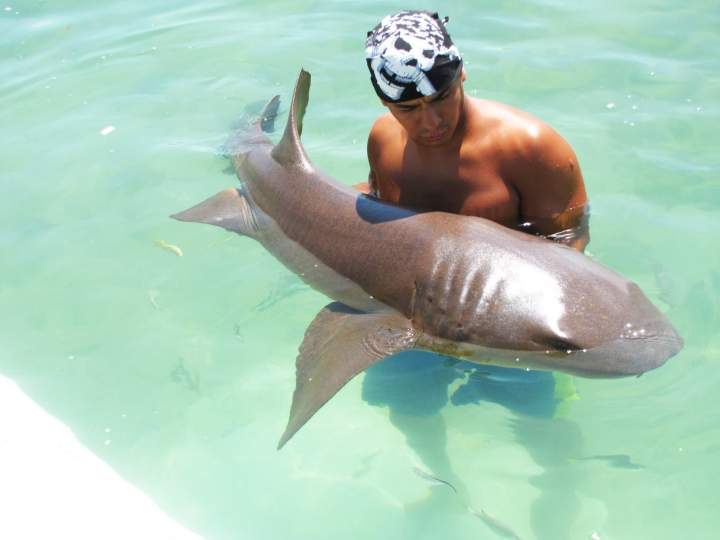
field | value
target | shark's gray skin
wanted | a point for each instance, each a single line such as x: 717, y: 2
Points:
x: 457, y: 285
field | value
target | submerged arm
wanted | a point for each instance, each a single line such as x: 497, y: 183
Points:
x: 369, y: 187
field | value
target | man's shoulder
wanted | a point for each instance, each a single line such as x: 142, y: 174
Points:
x: 385, y: 134
x: 518, y: 133
x: 385, y: 126
x: 507, y: 122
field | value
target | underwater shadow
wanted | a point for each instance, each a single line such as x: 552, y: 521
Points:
x: 415, y: 386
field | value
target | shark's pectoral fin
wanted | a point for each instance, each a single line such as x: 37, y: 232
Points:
x: 339, y: 344
x: 229, y: 209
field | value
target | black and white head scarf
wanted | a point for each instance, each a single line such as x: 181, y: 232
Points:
x: 411, y: 55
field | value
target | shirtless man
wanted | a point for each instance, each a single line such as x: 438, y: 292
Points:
x: 438, y: 149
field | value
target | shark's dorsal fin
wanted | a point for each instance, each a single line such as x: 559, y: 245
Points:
x: 289, y: 151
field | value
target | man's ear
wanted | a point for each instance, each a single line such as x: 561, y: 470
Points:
x: 384, y: 103
x: 463, y: 75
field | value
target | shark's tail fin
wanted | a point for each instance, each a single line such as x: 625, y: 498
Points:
x: 250, y: 130
x: 289, y: 151
x: 268, y: 115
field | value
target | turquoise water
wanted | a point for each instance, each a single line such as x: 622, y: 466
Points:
x: 178, y: 371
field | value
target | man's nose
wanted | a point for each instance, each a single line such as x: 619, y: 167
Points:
x: 430, y: 117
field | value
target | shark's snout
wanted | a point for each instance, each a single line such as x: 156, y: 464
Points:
x: 631, y: 354
x: 641, y: 346
x: 659, y: 338
x: 666, y: 344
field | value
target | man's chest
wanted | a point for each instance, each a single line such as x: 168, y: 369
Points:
x: 451, y: 185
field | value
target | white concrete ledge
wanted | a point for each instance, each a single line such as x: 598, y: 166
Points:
x: 53, y: 487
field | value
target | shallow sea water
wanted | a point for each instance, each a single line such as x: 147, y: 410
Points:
x: 178, y: 371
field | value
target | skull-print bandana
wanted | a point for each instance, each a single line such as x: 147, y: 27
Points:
x: 411, y: 55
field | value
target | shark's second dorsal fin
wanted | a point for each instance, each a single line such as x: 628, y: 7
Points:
x: 289, y: 151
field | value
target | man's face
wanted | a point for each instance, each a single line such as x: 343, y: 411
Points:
x: 431, y: 120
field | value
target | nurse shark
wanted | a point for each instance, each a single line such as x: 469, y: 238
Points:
x: 401, y: 279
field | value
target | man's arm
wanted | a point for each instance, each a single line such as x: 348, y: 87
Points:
x: 369, y: 187
x: 373, y: 151
x: 549, y: 182
x: 363, y: 187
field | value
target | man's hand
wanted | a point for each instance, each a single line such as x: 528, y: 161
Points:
x: 363, y: 187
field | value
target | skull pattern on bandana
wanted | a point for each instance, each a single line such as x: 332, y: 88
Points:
x: 411, y: 55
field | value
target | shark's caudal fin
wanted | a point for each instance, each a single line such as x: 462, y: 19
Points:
x: 339, y: 344
x: 268, y: 115
x: 229, y: 209
x: 250, y: 131
x: 289, y: 151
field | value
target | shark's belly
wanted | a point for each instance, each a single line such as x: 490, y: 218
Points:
x: 480, y: 354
